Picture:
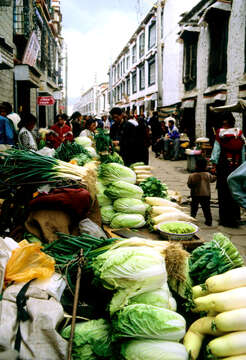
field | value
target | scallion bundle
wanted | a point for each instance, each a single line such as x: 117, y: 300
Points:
x: 20, y: 167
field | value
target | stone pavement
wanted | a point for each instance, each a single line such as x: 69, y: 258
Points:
x: 175, y: 175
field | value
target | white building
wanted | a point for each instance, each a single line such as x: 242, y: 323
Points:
x: 87, y: 103
x: 133, y: 75
x: 102, y: 100
x: 214, y: 72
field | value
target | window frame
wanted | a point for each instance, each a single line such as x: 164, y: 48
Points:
x: 151, y: 26
x: 141, y: 45
x: 151, y: 61
x: 141, y: 71
x: 134, y: 54
x: 134, y: 82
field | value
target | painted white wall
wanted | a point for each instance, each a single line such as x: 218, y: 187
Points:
x: 171, y: 53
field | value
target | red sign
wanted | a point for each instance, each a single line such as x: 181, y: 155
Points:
x: 46, y: 100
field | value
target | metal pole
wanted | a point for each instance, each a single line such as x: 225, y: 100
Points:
x: 159, y: 53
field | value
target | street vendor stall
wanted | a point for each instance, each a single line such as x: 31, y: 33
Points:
x: 126, y: 291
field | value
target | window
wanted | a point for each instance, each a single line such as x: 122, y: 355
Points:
x: 142, y: 77
x: 190, y: 61
x: 152, y: 71
x: 124, y: 66
x: 134, y: 54
x: 123, y: 88
x: 128, y: 90
x: 141, y: 45
x: 128, y: 61
x: 134, y: 82
x: 118, y: 71
x: 218, y: 28
x: 152, y: 34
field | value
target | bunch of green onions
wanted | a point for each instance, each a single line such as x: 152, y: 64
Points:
x: 21, y: 166
x: 68, y: 151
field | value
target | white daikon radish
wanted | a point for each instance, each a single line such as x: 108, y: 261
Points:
x: 228, y: 345
x: 196, y: 334
x: 156, y: 201
x: 223, y: 301
x: 172, y: 216
x: 229, y: 280
x: 158, y: 210
x: 234, y: 320
x: 198, y: 291
x: 138, y: 172
x: 142, y: 167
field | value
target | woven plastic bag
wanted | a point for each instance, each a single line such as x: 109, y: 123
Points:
x: 28, y: 262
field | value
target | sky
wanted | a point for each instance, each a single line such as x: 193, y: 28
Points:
x: 95, y: 32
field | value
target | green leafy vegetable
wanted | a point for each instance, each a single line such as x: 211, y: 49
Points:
x: 114, y: 172
x: 153, y: 350
x: 213, y: 258
x: 82, y: 159
x: 103, y: 141
x: 150, y: 322
x: 92, y: 339
x: 159, y: 297
x: 68, y: 151
x: 177, y: 228
x: 127, y: 221
x: 130, y: 206
x: 152, y: 187
x: 102, y: 199
x: 122, y: 189
x: 111, y: 158
x: 107, y: 213
x: 131, y: 271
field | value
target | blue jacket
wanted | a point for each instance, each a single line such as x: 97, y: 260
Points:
x: 173, y: 133
x: 6, y: 132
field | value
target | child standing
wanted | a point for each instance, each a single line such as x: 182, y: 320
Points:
x: 199, y: 183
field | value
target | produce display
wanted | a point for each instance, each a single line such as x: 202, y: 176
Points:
x: 137, y: 296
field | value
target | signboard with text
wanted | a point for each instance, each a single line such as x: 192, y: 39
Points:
x: 32, y: 49
x: 45, y: 100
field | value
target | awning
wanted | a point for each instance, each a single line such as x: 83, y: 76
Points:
x: 239, y: 106
x: 216, y: 97
x: 188, y: 104
x: 217, y: 6
x: 189, y: 31
x: 28, y: 74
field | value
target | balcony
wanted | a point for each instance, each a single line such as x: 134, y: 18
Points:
x: 22, y: 19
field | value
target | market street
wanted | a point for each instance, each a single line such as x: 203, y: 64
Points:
x: 175, y: 175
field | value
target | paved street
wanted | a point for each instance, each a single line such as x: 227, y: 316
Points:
x: 175, y: 175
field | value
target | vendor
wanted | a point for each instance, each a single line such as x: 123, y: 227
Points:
x: 60, y: 132
x: 26, y: 138
x: 172, y: 138
x: 228, y: 154
x: 90, y: 129
x: 116, y: 129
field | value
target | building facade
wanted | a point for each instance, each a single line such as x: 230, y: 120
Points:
x: 133, y: 82
x: 213, y: 37
x: 102, y: 100
x: 34, y: 44
x: 87, y: 102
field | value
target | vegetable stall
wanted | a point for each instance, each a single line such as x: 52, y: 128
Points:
x: 93, y: 265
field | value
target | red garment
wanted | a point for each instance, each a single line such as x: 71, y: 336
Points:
x: 76, y: 202
x: 60, y: 134
x: 231, y: 142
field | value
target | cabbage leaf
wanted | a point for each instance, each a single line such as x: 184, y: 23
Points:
x: 113, y: 172
x: 122, y: 189
x: 130, y: 206
x: 107, y: 213
x: 127, y: 221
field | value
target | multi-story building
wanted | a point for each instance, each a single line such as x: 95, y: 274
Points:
x: 87, y: 102
x: 213, y: 35
x: 31, y: 56
x: 6, y: 52
x: 102, y: 97
x: 133, y: 81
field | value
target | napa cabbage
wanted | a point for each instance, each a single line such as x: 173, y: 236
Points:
x: 132, y: 221
x: 91, y: 340
x: 149, y: 322
x: 113, y: 172
x: 130, y: 206
x: 122, y: 189
x: 153, y: 350
x: 83, y: 140
x: 107, y: 213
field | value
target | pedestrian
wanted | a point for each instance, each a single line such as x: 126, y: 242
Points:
x: 155, y: 127
x: 26, y: 138
x: 117, y: 127
x: 199, y: 183
x: 172, y: 139
x: 60, y: 132
x: 6, y: 129
x: 227, y: 155
x: 76, y: 121
x: 13, y: 117
x: 90, y: 128
x: 158, y: 146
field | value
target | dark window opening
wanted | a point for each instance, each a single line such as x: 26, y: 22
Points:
x: 190, y: 62
x: 218, y: 28
x: 152, y: 35
x: 142, y: 77
x: 134, y: 82
x: 152, y: 72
